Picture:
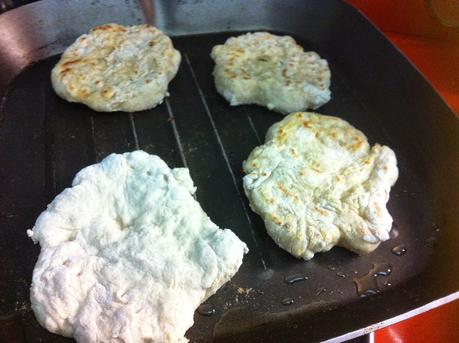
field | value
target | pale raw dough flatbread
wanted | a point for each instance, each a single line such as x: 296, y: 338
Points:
x: 127, y: 254
x: 117, y: 68
x: 317, y: 183
x: 273, y: 71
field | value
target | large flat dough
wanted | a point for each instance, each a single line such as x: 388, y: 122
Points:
x: 127, y: 254
x: 273, y: 71
x: 317, y: 183
x: 117, y: 68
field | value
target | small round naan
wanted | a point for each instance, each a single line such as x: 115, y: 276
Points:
x: 273, y: 71
x: 117, y: 68
x: 317, y: 183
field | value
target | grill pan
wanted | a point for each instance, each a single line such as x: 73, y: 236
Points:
x: 44, y: 141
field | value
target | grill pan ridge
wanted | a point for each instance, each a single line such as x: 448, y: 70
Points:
x: 44, y: 141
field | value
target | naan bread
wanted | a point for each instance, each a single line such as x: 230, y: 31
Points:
x: 273, y: 71
x: 317, y: 183
x: 127, y: 254
x: 117, y: 68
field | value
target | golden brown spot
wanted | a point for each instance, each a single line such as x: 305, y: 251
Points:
x: 245, y: 74
x: 83, y: 93
x: 302, y: 173
x: 64, y: 71
x: 108, y: 93
x: 109, y: 28
x: 322, y: 212
x: 357, y: 145
x: 282, y: 137
x: 306, y: 124
x: 299, y: 115
x: 230, y: 74
x: 276, y: 220
x: 66, y: 64
x: 151, y: 43
x: 338, y: 178
x: 284, y: 190
x: 102, y: 27
x: 316, y: 167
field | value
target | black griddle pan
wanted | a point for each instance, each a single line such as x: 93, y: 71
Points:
x: 45, y: 140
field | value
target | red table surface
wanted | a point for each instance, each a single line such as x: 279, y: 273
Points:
x: 434, y: 49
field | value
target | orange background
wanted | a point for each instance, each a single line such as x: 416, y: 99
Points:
x: 431, y: 46
x: 434, y: 49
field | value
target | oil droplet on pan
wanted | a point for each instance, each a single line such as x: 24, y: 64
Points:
x: 287, y: 301
x: 291, y: 279
x: 320, y: 291
x: 368, y: 284
x: 206, y: 310
x: 399, y: 250
x: 381, y: 269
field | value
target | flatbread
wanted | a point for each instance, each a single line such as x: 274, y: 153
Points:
x: 273, y: 71
x: 317, y: 183
x: 117, y: 68
x: 127, y: 254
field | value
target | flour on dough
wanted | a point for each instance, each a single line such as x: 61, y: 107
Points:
x: 127, y: 254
